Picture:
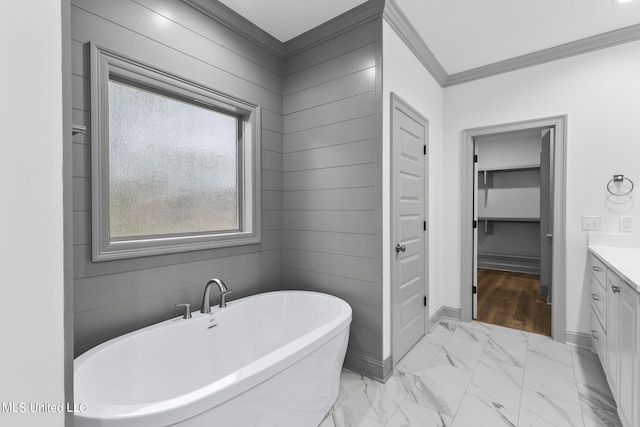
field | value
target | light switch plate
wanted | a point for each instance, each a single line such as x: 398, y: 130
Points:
x: 591, y: 222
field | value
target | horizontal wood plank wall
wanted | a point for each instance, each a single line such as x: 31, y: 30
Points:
x: 115, y: 297
x: 332, y: 191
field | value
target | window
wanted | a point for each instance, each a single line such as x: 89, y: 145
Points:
x: 174, y: 164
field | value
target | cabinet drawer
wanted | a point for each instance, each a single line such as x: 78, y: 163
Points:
x: 598, y: 269
x: 599, y: 339
x: 599, y: 301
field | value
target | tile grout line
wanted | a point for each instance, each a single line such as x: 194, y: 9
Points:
x: 417, y: 376
x: 362, y: 385
x: 453, y: 418
x: 339, y: 405
x: 575, y: 377
x: 575, y: 383
x: 466, y: 390
x: 524, y: 371
x: 420, y: 376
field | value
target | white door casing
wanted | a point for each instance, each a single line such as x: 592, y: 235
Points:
x: 558, y: 312
x: 474, y: 266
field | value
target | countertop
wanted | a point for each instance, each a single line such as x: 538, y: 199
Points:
x: 624, y: 261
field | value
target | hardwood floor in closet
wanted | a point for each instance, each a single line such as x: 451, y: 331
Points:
x: 512, y: 300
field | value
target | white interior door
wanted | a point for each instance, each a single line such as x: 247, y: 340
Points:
x: 546, y: 212
x: 409, y: 142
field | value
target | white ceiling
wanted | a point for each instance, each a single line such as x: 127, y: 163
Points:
x: 462, y: 34
x: 286, y: 19
x: 465, y: 34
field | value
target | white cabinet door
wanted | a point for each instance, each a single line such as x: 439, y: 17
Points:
x: 628, y: 397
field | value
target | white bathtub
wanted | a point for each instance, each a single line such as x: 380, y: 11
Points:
x: 272, y: 359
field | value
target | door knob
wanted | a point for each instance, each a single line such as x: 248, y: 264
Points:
x: 400, y: 248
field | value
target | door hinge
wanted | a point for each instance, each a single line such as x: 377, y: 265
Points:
x: 475, y: 158
x: 475, y: 224
x: 425, y: 150
x: 425, y: 225
x: 474, y: 290
x: 425, y: 300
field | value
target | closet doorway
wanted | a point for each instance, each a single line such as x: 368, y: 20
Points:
x: 514, y: 237
x: 512, y: 207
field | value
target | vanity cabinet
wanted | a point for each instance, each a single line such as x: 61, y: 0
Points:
x: 615, y: 328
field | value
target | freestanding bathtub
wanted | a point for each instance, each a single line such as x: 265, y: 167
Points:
x: 272, y: 359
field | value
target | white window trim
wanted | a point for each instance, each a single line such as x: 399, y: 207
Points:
x: 106, y: 62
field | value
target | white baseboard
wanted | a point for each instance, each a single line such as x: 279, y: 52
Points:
x: 443, y: 313
x: 578, y: 339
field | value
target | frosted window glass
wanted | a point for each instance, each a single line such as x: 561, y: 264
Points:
x: 173, y: 166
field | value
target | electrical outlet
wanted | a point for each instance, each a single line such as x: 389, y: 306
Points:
x: 626, y: 223
x: 591, y: 222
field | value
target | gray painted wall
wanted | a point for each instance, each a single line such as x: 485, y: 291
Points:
x: 115, y: 297
x: 332, y: 184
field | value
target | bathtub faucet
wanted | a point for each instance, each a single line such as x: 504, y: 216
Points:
x: 206, y: 304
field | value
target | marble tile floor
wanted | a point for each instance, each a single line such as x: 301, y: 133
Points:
x: 476, y: 374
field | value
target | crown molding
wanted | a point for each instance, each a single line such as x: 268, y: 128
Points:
x: 238, y: 23
x: 359, y: 15
x: 578, y: 47
x: 394, y: 16
x: 407, y: 32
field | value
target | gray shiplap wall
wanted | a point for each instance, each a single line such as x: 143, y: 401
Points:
x: 115, y: 297
x: 321, y: 161
x: 332, y: 179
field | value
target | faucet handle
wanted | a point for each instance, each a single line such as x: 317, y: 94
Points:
x: 187, y: 310
x: 223, y: 298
